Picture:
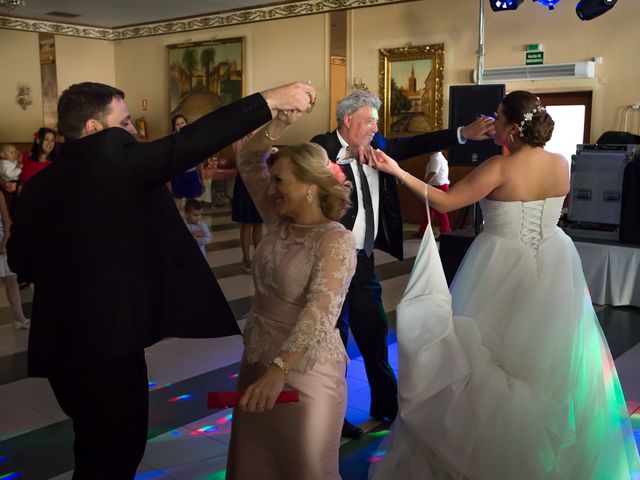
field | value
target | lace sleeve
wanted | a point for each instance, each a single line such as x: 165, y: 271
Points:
x: 252, y: 166
x: 315, y: 333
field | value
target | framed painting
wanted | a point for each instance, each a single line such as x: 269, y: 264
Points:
x: 411, y: 89
x: 204, y: 76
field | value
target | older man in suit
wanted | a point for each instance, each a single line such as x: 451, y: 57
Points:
x: 375, y: 219
x: 113, y: 266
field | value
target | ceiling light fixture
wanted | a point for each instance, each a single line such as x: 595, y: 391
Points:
x: 11, y: 4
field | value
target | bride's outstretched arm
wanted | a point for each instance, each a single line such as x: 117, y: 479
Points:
x: 475, y: 186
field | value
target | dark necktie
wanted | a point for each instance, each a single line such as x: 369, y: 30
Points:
x: 368, y: 211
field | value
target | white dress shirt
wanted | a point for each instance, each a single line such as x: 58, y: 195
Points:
x: 374, y: 187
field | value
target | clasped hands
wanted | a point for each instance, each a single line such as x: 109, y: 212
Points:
x: 373, y: 157
x: 291, y: 100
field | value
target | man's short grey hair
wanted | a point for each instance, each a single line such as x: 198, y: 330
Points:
x: 354, y: 101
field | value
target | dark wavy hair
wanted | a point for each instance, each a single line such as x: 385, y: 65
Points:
x: 175, y: 118
x: 81, y: 102
x: 36, y: 147
x: 535, y: 132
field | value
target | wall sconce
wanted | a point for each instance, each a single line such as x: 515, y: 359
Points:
x: 358, y: 84
x: 23, y: 98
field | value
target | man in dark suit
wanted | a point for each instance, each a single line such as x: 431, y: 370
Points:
x: 375, y: 219
x: 113, y: 266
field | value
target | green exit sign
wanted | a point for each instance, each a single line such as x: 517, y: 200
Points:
x: 533, y: 58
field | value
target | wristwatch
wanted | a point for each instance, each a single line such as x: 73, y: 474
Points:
x: 279, y: 362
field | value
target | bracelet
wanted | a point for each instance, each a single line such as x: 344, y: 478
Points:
x: 278, y: 362
x: 266, y: 134
x: 404, y: 174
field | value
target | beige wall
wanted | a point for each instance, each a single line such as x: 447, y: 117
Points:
x: 566, y: 39
x: 77, y: 59
x: 84, y: 60
x: 277, y: 52
x: 297, y: 49
x: 20, y: 62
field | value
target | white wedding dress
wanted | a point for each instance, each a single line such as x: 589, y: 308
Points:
x: 509, y: 377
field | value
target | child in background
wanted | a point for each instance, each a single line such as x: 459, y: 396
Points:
x: 193, y: 220
x: 20, y: 322
x: 10, y: 170
x: 437, y: 175
x: 10, y: 162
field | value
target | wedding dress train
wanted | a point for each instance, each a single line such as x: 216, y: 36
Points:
x: 509, y: 376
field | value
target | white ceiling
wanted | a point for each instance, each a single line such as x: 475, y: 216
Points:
x: 120, y: 13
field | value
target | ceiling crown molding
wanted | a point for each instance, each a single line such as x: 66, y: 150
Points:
x: 189, y: 24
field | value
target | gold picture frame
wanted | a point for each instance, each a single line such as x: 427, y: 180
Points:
x: 411, y: 89
x: 204, y: 76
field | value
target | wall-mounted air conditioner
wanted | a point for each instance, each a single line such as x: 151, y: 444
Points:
x: 538, y: 72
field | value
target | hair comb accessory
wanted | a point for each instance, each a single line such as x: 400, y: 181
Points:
x: 528, y: 117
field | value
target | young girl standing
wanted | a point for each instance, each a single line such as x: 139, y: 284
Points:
x: 20, y: 322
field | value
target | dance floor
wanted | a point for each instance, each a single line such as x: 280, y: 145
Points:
x: 186, y: 440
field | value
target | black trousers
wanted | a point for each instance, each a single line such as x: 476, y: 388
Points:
x: 108, y: 402
x: 364, y: 313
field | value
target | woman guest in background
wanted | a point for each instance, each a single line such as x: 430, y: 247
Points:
x: 519, y: 383
x: 43, y: 153
x: 301, y: 272
x: 437, y: 175
x: 244, y: 211
x: 189, y: 184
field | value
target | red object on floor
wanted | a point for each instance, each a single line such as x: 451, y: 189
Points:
x: 231, y: 399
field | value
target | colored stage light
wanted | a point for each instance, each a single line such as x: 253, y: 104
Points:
x: 180, y: 398
x: 590, y: 9
x: 502, y: 5
x: 548, y: 3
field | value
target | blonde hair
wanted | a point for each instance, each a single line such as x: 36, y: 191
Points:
x: 309, y: 164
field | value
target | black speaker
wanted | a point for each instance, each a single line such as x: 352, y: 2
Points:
x: 590, y: 9
x: 467, y: 103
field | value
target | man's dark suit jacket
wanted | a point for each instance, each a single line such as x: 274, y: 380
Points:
x: 113, y: 266
x: 389, y: 237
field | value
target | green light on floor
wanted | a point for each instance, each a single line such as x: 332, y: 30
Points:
x: 379, y: 434
x: 219, y: 475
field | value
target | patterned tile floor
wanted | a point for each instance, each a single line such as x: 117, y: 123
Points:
x: 187, y: 441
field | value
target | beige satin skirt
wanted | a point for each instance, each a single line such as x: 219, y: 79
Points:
x: 297, y: 441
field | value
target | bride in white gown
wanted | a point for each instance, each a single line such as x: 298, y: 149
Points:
x: 509, y: 377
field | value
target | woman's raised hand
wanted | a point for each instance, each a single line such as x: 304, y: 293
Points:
x: 384, y: 163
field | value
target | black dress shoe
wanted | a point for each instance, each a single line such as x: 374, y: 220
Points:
x: 350, y: 430
x: 384, y: 417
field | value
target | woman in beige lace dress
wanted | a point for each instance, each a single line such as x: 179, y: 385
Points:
x: 302, y: 270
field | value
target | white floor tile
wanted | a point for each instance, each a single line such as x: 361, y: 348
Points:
x: 18, y: 419
x: 34, y: 394
x: 239, y: 286
x: 65, y: 476
x: 628, y: 364
x: 630, y: 387
x: 216, y: 426
x: 12, y: 340
x: 180, y: 449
